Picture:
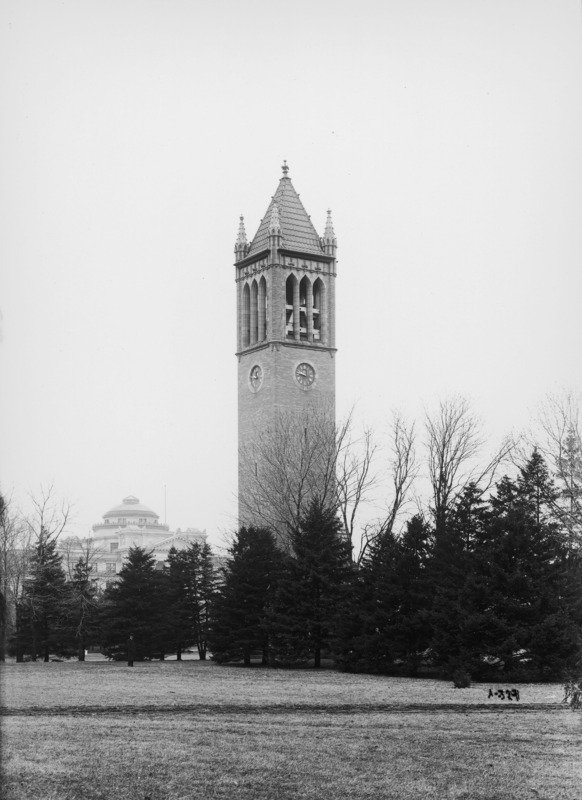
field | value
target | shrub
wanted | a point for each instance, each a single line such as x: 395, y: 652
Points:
x: 461, y: 679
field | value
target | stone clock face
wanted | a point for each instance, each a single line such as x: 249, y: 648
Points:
x: 255, y: 378
x: 305, y: 375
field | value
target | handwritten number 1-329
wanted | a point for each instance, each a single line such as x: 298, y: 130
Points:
x: 504, y: 694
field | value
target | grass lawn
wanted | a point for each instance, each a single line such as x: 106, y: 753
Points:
x: 182, y: 730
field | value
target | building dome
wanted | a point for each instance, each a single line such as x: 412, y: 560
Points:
x: 130, y: 507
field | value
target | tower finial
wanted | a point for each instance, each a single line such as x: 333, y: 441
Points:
x: 329, y: 241
x: 242, y: 234
x: 329, y: 231
x: 241, y: 246
x: 285, y: 168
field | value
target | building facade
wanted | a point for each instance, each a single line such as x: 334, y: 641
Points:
x: 286, y: 344
x: 129, y: 524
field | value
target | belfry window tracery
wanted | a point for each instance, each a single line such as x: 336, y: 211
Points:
x: 305, y: 310
x: 254, y: 312
x: 262, y: 310
x: 318, y: 311
x: 246, y: 316
x: 290, y: 286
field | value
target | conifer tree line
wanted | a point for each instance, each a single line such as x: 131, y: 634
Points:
x: 486, y: 578
x: 166, y: 612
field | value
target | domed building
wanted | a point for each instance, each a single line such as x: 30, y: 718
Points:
x: 130, y: 524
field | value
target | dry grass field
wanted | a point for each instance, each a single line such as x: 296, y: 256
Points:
x: 183, y: 730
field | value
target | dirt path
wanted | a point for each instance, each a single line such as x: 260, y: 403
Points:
x: 395, y: 708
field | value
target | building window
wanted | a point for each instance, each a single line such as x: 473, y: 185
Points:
x: 113, y: 547
x: 110, y: 569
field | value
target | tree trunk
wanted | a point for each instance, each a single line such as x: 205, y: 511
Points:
x: 34, y: 647
x: 317, y: 657
x: 179, y: 653
x: 3, y: 621
x: 81, y: 651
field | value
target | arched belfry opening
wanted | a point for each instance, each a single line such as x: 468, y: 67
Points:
x: 254, y: 312
x: 246, y: 316
x: 305, y: 302
x: 291, y: 301
x: 262, y: 310
x: 319, y: 313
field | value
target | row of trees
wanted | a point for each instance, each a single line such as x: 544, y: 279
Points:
x: 497, y: 589
x: 165, y: 611
x: 482, y: 576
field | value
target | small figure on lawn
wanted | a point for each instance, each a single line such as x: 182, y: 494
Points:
x: 130, y: 650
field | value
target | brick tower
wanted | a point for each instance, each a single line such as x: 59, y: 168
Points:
x: 285, y: 281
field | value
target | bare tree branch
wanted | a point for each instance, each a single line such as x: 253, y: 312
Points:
x: 50, y: 516
x: 453, y: 443
x: 300, y: 457
x: 559, y: 440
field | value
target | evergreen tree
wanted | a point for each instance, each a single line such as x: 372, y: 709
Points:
x: 192, y: 589
x: 41, y: 623
x: 411, y: 629
x: 456, y: 585
x: 81, y: 607
x: 313, y: 593
x: 137, y: 604
x: 178, y: 618
x: 533, y: 597
x: 393, y: 603
x: 569, y: 474
x: 368, y: 645
x: 241, y: 623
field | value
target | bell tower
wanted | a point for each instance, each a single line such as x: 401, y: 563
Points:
x: 285, y: 288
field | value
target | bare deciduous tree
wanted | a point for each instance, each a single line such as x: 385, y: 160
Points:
x: 354, y: 476
x: 14, y: 556
x: 403, y: 470
x: 49, y: 516
x: 73, y: 549
x: 281, y: 467
x: 559, y: 440
x: 453, y: 443
x: 301, y: 457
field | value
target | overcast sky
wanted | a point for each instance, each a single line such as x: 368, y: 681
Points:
x: 446, y: 137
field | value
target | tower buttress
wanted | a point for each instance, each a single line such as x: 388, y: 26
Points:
x: 241, y: 245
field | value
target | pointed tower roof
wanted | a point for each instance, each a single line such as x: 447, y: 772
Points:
x: 329, y: 231
x: 242, y: 235
x: 297, y: 231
